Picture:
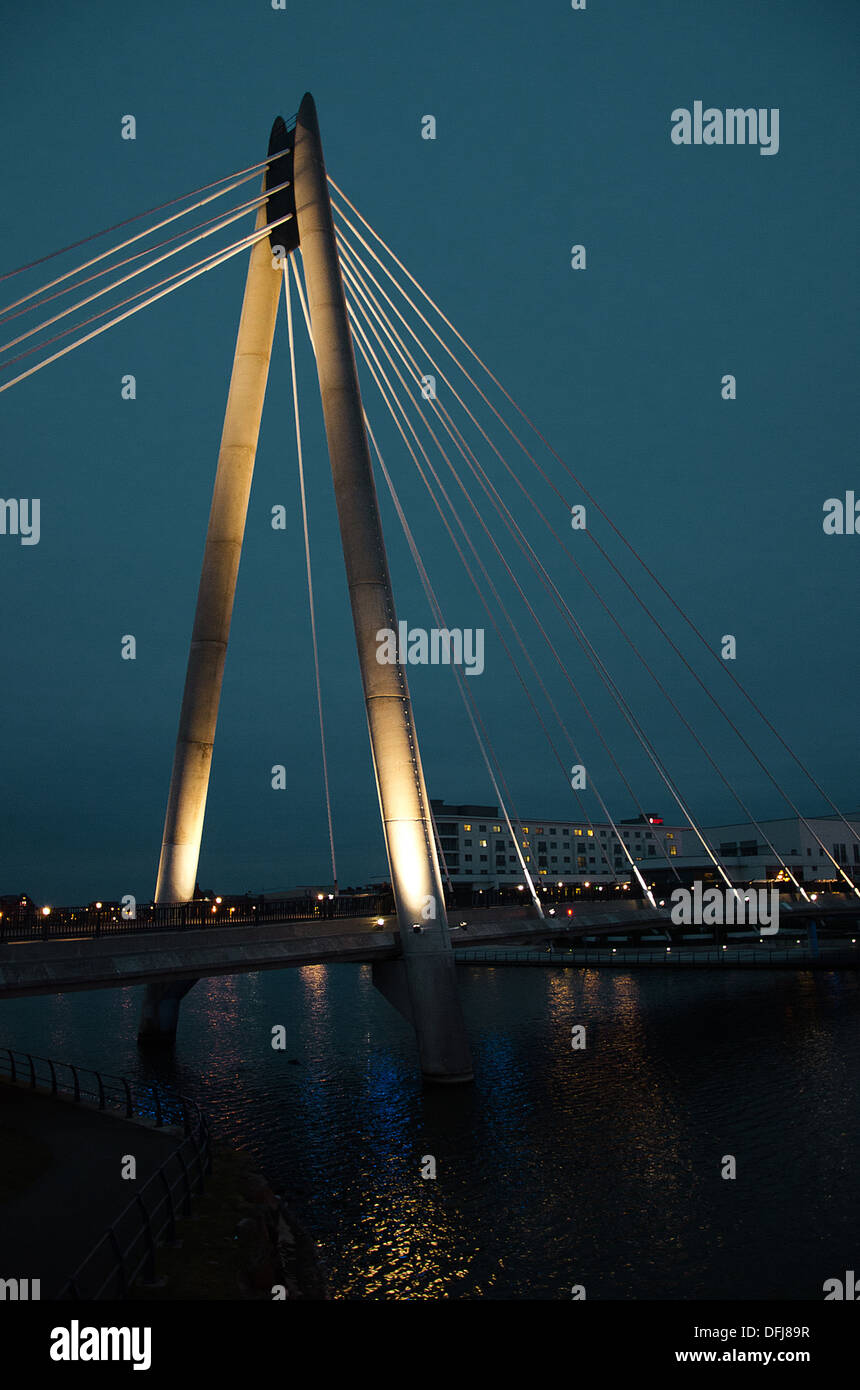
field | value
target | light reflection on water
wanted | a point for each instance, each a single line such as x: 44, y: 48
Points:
x: 558, y: 1167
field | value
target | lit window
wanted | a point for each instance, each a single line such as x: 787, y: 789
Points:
x: 591, y: 832
x: 577, y: 832
x: 483, y: 844
x: 467, y: 827
x: 497, y: 829
x: 525, y: 830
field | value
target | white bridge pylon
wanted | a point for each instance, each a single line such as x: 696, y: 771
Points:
x: 422, y: 984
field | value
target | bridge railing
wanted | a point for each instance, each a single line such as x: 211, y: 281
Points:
x: 31, y: 924
x: 133, y: 1099
x: 128, y: 1249
x: 676, y: 957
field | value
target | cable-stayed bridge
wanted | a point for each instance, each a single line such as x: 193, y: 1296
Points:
x: 368, y: 319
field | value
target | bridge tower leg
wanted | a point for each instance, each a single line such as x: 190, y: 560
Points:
x: 426, y: 989
x: 189, y: 783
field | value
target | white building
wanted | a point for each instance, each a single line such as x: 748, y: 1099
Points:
x: 477, y: 847
x: 744, y: 850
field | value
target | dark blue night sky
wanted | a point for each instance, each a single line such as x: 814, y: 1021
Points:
x: 553, y: 129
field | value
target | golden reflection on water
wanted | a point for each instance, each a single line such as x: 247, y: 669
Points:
x: 416, y: 1249
x: 646, y: 1114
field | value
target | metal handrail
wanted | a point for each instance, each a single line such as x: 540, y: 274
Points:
x: 676, y: 957
x: 26, y: 923
x: 140, y: 1100
x: 128, y: 1246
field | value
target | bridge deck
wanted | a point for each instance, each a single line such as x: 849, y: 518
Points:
x: 59, y: 964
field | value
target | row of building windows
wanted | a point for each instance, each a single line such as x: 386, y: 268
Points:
x: 750, y: 849
x: 449, y: 829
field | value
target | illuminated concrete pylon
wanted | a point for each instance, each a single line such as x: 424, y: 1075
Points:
x: 426, y: 991
x: 189, y: 783
x: 422, y: 985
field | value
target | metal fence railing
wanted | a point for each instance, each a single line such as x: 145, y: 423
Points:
x: 128, y: 1247
x: 24, y: 921
x: 127, y: 1250
x: 145, y: 1100
x: 675, y: 957
x: 28, y: 923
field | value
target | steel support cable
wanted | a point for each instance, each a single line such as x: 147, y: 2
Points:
x: 491, y: 586
x: 468, y: 700
x: 307, y: 324
x: 301, y: 293
x: 530, y: 608
x: 355, y: 263
x: 524, y: 545
x: 123, y: 244
x: 303, y: 302
x: 599, y: 666
x: 534, y: 616
x: 106, y: 270
x: 488, y: 579
x: 585, y: 816
x: 474, y: 583
x: 311, y: 605
x: 591, y: 536
x: 626, y: 582
x: 220, y: 224
x: 382, y: 391
x: 437, y: 839
x: 514, y: 838
x: 484, y: 743
x: 111, y: 308
x: 208, y: 263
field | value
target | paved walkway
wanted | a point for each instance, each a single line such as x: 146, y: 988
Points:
x: 50, y: 1225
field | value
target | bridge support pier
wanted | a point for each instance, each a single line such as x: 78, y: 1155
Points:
x: 160, y: 1013
x: 424, y: 985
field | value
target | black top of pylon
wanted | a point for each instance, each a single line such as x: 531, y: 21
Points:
x: 279, y: 138
x: 280, y: 169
